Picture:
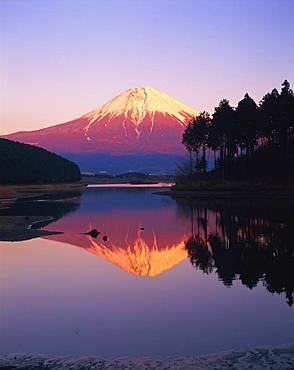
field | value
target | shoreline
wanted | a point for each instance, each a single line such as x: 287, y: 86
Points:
x: 229, y: 194
x: 269, y: 357
x: 10, y: 192
x: 18, y: 228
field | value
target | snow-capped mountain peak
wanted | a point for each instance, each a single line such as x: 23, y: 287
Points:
x: 139, y: 120
x: 135, y: 103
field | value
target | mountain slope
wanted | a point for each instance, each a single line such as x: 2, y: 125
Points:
x: 27, y: 164
x: 140, y: 120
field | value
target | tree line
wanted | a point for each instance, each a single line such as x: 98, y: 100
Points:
x: 243, y: 138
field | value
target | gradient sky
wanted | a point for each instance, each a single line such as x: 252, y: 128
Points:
x: 62, y: 58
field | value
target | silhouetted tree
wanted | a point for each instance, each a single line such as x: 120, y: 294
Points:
x: 224, y: 128
x: 201, y: 127
x: 188, y: 139
x: 195, y: 138
x: 269, y: 107
x: 286, y: 114
x: 247, y: 122
x: 250, y: 142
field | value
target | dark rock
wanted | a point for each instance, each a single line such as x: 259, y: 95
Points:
x: 93, y: 233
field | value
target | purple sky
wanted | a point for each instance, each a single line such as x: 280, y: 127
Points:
x: 62, y: 58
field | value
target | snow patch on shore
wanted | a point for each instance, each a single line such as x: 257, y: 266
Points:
x: 274, y: 358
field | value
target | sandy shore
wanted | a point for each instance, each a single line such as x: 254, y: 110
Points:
x: 274, y: 358
x: 12, y: 191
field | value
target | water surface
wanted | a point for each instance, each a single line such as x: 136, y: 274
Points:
x: 169, y: 278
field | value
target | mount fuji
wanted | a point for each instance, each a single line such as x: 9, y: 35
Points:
x: 139, y: 123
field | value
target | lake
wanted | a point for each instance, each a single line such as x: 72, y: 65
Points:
x: 162, y: 277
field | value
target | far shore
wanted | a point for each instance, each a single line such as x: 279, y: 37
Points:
x: 127, y: 178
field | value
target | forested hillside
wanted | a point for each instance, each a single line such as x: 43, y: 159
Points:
x: 28, y: 164
x: 251, y: 142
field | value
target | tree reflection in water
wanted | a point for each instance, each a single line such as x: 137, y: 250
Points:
x: 249, y: 242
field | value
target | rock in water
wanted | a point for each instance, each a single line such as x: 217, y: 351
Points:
x: 93, y: 233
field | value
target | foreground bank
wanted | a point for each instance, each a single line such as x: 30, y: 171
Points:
x: 20, y: 221
x: 274, y: 358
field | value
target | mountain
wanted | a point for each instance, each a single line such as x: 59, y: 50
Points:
x: 27, y: 164
x: 140, y: 121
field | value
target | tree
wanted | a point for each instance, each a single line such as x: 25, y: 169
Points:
x: 223, y: 129
x: 277, y: 112
x: 195, y: 138
x: 201, y: 128
x: 188, y: 142
x: 286, y: 114
x: 269, y: 108
x: 247, y: 120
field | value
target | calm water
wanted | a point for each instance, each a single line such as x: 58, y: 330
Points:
x: 172, y: 278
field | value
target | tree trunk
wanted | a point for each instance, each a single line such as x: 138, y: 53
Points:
x: 190, y: 154
x: 204, y: 158
x: 197, y: 161
x: 222, y: 158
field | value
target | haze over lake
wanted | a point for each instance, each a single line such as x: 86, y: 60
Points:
x: 171, y: 278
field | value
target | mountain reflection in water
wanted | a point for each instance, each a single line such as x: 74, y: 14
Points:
x: 148, y: 234
x: 142, y: 239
